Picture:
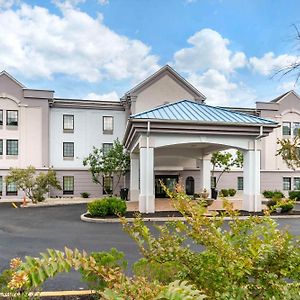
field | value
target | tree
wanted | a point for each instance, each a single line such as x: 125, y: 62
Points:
x: 290, y: 151
x: 35, y: 186
x: 225, y: 161
x: 114, y: 163
x: 293, y: 68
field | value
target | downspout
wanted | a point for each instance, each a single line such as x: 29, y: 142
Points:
x: 255, y: 149
x: 147, y: 164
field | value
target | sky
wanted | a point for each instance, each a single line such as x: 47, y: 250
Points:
x: 99, y: 49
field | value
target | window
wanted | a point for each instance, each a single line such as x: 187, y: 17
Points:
x: 1, y: 117
x: 286, y: 183
x: 213, y: 182
x: 106, y: 147
x: 240, y: 183
x: 296, y: 128
x: 296, y: 183
x: 1, y: 147
x: 1, y: 185
x: 12, y: 117
x: 286, y: 128
x: 12, y: 147
x: 68, y: 123
x: 107, y: 185
x: 108, y: 124
x: 68, y: 149
x: 11, y: 189
x: 68, y: 185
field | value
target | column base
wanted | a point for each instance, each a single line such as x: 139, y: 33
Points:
x: 143, y: 207
x: 252, y: 203
x: 134, y: 195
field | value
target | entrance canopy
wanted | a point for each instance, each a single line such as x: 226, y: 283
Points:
x: 200, y: 129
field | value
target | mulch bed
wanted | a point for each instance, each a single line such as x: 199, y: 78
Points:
x: 161, y: 214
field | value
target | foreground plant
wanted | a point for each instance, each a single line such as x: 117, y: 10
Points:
x: 239, y: 259
x: 201, y: 258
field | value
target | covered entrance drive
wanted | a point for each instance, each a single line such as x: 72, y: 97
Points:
x: 180, y: 136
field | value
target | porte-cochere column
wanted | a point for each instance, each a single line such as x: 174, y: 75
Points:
x: 146, y: 197
x: 251, y: 197
x: 205, y: 174
x: 134, y: 177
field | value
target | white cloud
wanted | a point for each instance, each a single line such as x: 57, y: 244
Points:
x: 38, y: 44
x: 219, y: 90
x: 103, y: 2
x: 209, y: 51
x: 6, y: 4
x: 112, y: 96
x: 269, y: 63
x: 286, y: 86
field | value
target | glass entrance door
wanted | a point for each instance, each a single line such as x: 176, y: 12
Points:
x: 168, y: 180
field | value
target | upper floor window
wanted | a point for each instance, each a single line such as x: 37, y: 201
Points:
x: 68, y: 149
x: 108, y: 124
x: 68, y: 122
x: 1, y: 117
x: 287, y: 183
x: 12, y: 117
x: 1, y: 147
x: 296, y: 128
x: 12, y: 147
x: 106, y: 147
x: 286, y: 128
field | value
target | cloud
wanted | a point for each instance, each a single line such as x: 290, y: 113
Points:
x: 219, y: 90
x: 209, y: 51
x: 6, y: 4
x: 210, y: 65
x: 103, y: 2
x: 112, y: 96
x: 286, y: 86
x: 40, y: 44
x: 269, y: 63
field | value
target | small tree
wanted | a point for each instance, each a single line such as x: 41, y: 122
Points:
x: 225, y: 161
x: 290, y: 151
x: 113, y: 163
x: 35, y: 186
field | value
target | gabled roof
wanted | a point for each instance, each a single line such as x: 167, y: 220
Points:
x: 4, y: 73
x: 158, y: 74
x: 277, y: 99
x: 187, y: 110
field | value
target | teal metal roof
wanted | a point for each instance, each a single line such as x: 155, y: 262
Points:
x: 187, y: 110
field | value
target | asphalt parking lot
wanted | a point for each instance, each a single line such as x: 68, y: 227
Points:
x: 32, y: 230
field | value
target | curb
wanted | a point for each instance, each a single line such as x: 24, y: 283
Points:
x: 59, y: 293
x: 166, y: 219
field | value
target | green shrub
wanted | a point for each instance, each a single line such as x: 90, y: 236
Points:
x: 273, y: 194
x: 231, y: 192
x: 268, y: 194
x: 117, y: 206
x: 294, y: 195
x: 278, y: 194
x: 107, y: 207
x: 98, y: 208
x: 224, y: 192
x: 85, y: 194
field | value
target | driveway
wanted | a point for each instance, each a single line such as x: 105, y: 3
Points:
x: 32, y: 230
